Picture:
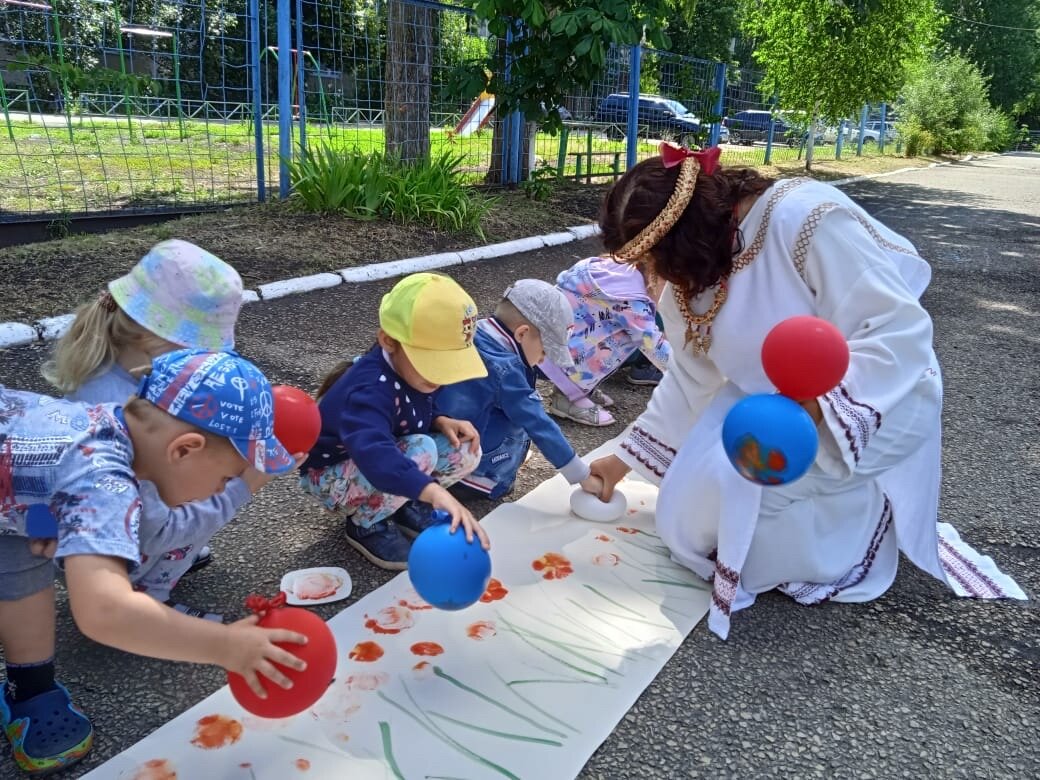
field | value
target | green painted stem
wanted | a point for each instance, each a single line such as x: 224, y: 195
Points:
x: 532, y: 705
x: 493, y: 733
x: 484, y: 697
x: 388, y: 749
x: 615, y: 603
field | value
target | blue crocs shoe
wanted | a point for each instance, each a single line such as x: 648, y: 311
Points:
x: 47, y: 733
x: 414, y: 518
x: 644, y: 375
x: 382, y: 543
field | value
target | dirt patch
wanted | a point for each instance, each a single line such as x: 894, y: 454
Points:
x: 264, y: 243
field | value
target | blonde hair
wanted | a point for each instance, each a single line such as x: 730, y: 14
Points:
x: 99, y: 332
x: 156, y: 421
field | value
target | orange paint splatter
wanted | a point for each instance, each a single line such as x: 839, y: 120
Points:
x: 628, y: 530
x: 216, y: 731
x: 604, y: 538
x: 415, y: 606
x: 303, y: 764
x: 156, y: 769
x: 390, y: 620
x: 553, y: 566
x: 423, y: 670
x: 426, y: 648
x: 495, y: 592
x: 366, y: 652
x: 606, y: 559
x: 631, y: 511
x: 244, y: 765
x: 481, y: 630
x: 366, y: 681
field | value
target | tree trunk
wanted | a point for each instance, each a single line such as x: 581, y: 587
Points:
x: 810, y: 139
x: 409, y: 53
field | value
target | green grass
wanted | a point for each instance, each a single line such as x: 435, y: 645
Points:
x: 106, y: 165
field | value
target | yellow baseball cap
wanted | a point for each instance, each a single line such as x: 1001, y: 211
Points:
x: 434, y: 319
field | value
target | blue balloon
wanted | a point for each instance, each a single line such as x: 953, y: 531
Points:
x: 770, y: 439
x: 446, y: 570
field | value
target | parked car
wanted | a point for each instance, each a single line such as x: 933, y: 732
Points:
x: 872, y: 133
x: 661, y: 117
x: 746, y: 127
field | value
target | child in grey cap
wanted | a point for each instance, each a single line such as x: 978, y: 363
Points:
x: 531, y: 323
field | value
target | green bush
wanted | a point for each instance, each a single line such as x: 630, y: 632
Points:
x: 918, y: 140
x: 947, y: 101
x: 376, y: 185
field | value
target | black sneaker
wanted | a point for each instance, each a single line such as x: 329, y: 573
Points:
x: 204, y: 558
x: 414, y: 518
x: 382, y: 543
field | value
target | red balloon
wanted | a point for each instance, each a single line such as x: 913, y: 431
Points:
x: 308, y: 685
x: 297, y: 421
x: 805, y: 357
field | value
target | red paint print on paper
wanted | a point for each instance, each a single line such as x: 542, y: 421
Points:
x: 366, y: 652
x: 216, y: 731
x: 495, y: 592
x: 426, y: 648
x: 390, y: 620
x: 553, y: 566
x: 481, y: 630
x: 156, y: 769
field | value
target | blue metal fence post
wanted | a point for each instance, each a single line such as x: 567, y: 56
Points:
x: 841, y: 139
x: 507, y: 120
x: 635, y: 65
x: 720, y: 90
x: 258, y: 114
x: 881, y: 135
x: 862, y: 127
x: 769, y: 134
x: 301, y: 64
x: 284, y: 96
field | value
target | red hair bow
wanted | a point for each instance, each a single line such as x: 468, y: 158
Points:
x: 672, y: 155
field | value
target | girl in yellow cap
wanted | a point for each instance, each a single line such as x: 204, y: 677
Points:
x: 386, y: 454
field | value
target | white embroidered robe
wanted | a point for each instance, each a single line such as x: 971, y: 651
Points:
x: 835, y: 534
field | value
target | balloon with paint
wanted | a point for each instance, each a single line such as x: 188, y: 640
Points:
x: 309, y: 685
x: 769, y: 439
x: 297, y: 421
x: 446, y: 570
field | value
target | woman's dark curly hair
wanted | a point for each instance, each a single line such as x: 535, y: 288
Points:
x: 699, y: 249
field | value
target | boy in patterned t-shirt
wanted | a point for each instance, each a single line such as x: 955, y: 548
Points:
x: 199, y: 420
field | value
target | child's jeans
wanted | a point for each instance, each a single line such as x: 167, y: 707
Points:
x: 495, y: 475
x: 343, y: 488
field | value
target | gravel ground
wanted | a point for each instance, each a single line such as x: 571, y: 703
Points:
x: 917, y: 684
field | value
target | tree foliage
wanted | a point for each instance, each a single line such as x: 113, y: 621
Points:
x: 946, y: 108
x: 1009, y: 58
x: 707, y: 31
x: 557, y: 47
x: 827, y: 57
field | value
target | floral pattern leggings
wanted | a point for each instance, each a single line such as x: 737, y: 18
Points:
x: 343, y: 488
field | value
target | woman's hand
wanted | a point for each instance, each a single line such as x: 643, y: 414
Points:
x: 440, y: 498
x: 611, y: 470
x: 812, y: 406
x: 458, y: 431
x: 251, y: 651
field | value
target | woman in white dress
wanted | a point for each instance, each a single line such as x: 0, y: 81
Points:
x: 741, y: 253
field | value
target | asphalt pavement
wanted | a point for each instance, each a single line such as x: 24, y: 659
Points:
x: 917, y: 684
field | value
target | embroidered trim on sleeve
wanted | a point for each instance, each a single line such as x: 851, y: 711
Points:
x: 653, y: 453
x: 858, y: 420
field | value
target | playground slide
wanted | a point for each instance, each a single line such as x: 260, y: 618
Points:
x: 478, y: 115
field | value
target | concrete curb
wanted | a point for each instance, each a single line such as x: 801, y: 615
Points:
x: 18, y: 334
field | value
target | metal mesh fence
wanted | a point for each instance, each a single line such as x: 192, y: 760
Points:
x: 146, y: 105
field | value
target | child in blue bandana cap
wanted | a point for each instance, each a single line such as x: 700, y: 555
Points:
x: 199, y: 420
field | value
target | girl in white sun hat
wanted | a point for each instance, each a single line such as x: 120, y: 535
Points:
x: 177, y: 296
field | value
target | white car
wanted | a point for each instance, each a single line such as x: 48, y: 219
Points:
x: 872, y: 133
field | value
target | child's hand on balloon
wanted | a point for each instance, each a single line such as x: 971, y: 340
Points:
x: 251, y: 651
x: 440, y: 498
x: 592, y: 484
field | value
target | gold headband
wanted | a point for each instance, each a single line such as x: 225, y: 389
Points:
x: 649, y: 236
